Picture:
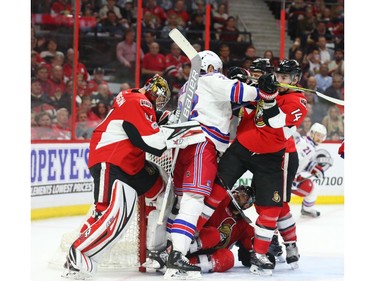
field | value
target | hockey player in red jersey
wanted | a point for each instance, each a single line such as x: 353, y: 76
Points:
x: 120, y: 171
x: 260, y: 147
x: 211, y: 247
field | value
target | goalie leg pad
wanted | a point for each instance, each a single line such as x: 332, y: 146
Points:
x: 110, y: 225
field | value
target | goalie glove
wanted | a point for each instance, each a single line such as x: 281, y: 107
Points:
x: 182, y: 134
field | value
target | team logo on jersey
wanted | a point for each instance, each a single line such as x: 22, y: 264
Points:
x: 146, y: 103
x: 225, y: 230
x: 303, y: 102
x: 276, y: 197
x: 259, y: 114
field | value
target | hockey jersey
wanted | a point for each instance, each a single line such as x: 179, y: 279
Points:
x: 255, y: 135
x: 212, y: 105
x: 232, y: 227
x: 110, y: 142
x: 306, y: 150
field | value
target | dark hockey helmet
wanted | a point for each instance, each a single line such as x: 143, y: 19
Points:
x: 261, y: 65
x: 240, y: 73
x: 157, y: 91
x: 291, y: 67
x: 249, y: 192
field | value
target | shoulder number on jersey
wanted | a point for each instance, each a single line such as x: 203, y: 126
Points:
x: 297, y: 114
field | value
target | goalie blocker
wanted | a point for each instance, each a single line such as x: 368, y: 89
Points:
x: 182, y: 134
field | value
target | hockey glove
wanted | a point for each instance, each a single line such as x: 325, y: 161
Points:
x: 316, y: 170
x: 267, y: 87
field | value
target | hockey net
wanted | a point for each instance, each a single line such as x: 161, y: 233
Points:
x: 129, y: 252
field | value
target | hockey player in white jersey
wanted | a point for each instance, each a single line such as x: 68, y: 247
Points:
x: 196, y: 166
x: 313, y: 162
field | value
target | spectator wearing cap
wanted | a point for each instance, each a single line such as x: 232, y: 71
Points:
x: 97, y: 79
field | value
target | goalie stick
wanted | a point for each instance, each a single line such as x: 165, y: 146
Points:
x: 183, y: 113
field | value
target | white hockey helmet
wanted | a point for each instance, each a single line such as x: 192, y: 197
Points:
x: 210, y: 58
x: 317, y: 133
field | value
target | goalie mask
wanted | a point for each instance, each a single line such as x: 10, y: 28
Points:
x: 239, y: 73
x: 317, y: 133
x: 245, y: 196
x: 157, y: 91
x: 210, y: 58
x: 323, y: 158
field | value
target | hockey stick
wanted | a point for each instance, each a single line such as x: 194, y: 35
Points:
x: 323, y: 96
x: 183, y: 113
x: 234, y: 201
x: 319, y: 94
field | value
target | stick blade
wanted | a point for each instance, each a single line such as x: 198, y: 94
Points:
x: 183, y: 43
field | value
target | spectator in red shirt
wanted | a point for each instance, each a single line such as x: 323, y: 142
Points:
x: 56, y: 81
x: 68, y: 66
x: 157, y: 11
x: 61, y: 7
x: 57, y: 59
x: 153, y: 63
x: 180, y: 11
x: 174, y: 61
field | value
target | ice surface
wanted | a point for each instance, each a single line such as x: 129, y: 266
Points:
x: 320, y: 242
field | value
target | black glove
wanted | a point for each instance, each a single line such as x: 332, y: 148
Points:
x: 267, y: 86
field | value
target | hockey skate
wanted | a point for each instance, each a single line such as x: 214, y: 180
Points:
x: 309, y: 212
x: 75, y: 269
x: 292, y: 255
x: 179, y: 267
x: 260, y: 264
x: 157, y: 260
x: 276, y: 249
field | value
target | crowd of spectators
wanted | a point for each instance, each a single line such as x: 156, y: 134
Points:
x: 316, y: 28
